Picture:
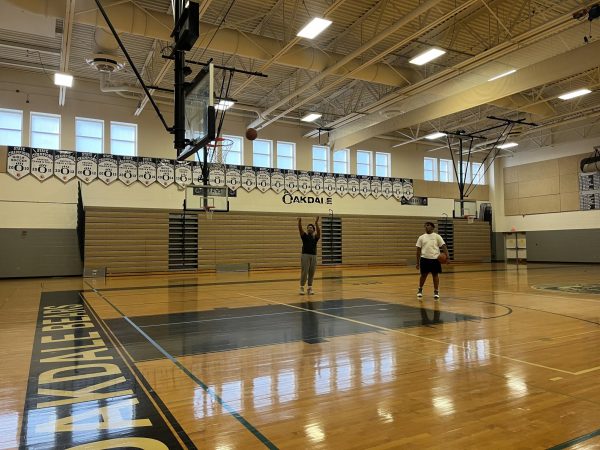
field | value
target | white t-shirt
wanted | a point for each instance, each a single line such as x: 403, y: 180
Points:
x: 430, y: 245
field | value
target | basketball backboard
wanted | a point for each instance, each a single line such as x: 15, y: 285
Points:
x: 198, y: 197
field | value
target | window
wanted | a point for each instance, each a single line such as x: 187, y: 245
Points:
x: 286, y: 153
x: 477, y: 170
x: 235, y: 154
x: 123, y: 139
x: 262, y: 153
x: 363, y: 162
x: 89, y: 135
x: 446, y: 170
x: 382, y: 164
x: 320, y: 158
x: 11, y: 127
x: 430, y: 169
x: 466, y: 172
x: 341, y: 161
x: 45, y: 131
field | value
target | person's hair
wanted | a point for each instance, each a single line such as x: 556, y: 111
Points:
x: 311, y: 225
x: 430, y: 223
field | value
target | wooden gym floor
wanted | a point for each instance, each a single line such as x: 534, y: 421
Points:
x: 241, y: 361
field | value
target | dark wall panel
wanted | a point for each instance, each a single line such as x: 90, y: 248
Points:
x: 564, y: 246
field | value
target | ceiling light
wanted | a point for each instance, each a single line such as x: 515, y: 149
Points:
x: 427, y: 56
x: 63, y: 79
x: 435, y: 135
x: 573, y: 94
x: 224, y: 104
x: 507, y: 145
x: 314, y: 28
x: 311, y: 117
x: 503, y: 75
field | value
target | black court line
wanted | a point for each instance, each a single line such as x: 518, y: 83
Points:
x: 262, y: 438
x: 286, y: 280
x: 577, y: 440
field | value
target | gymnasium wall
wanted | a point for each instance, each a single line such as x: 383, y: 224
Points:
x: 124, y: 240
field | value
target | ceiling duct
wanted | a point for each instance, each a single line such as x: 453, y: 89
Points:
x: 591, y: 164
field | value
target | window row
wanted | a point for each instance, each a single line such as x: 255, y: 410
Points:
x: 443, y: 170
x: 44, y: 132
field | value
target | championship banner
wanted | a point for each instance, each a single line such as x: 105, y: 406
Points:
x: 304, y: 184
x: 316, y: 182
x: 165, y: 172
x: 147, y: 171
x: 197, y: 177
x: 407, y: 188
x: 329, y: 184
x: 65, y: 165
x: 248, y: 178
x: 387, y: 188
x: 263, y: 179
x: 108, y: 168
x: 183, y: 173
x: 82, y: 392
x: 233, y: 178
x: 42, y: 163
x: 87, y: 167
x: 414, y: 201
x: 277, y: 181
x: 341, y: 185
x: 291, y: 181
x: 376, y: 187
x: 128, y: 169
x: 18, y: 162
x: 353, y: 186
x: 216, y: 176
x: 365, y: 186
x: 397, y: 188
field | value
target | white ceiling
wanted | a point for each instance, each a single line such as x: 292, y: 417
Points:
x: 356, y: 73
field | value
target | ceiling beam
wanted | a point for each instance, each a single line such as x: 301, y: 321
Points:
x: 65, y: 50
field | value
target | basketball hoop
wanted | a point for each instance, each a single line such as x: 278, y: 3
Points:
x: 218, y: 150
x: 470, y: 219
x: 209, y: 211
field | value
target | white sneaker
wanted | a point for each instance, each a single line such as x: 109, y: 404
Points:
x: 420, y: 293
x: 301, y: 290
x: 310, y: 291
x: 436, y: 295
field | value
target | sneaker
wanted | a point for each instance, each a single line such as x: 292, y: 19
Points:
x: 420, y: 293
x: 301, y: 290
x: 436, y: 295
x: 310, y: 291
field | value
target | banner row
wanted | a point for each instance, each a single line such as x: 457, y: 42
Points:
x: 43, y: 164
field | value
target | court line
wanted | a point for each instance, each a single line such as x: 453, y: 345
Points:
x: 194, y: 378
x: 576, y: 440
x: 407, y: 334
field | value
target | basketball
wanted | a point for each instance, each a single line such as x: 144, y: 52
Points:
x: 442, y: 258
x: 251, y: 134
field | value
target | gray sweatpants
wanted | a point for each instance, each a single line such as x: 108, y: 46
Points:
x: 309, y: 265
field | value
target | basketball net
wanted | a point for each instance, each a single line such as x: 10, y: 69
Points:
x: 209, y: 210
x: 217, y: 153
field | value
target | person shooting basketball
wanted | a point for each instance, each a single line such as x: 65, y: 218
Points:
x: 431, y: 252
x: 309, y: 253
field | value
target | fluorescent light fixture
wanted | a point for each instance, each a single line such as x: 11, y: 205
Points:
x: 427, y: 56
x: 503, y: 74
x: 224, y: 104
x: 311, y: 117
x: 507, y: 145
x: 573, y: 94
x: 435, y: 135
x: 314, y: 28
x: 63, y: 79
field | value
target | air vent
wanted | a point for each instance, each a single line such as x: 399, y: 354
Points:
x: 105, y: 63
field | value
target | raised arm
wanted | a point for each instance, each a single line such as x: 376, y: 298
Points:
x: 318, y: 235
x: 300, y: 230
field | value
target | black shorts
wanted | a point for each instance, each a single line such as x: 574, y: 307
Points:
x: 430, y: 266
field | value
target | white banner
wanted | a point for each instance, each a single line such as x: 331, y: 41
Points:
x: 65, y: 165
x: 183, y: 173
x: 407, y: 189
x: 248, y: 178
x: 365, y: 187
x: 277, y: 181
x: 316, y: 181
x: 216, y: 176
x: 87, y: 167
x: 108, y: 169
x: 128, y: 169
x: 42, y: 163
x: 376, y: 187
x: 397, y: 188
x: 291, y: 182
x: 263, y: 180
x: 165, y: 172
x: 147, y: 171
x: 233, y: 178
x: 18, y: 162
x: 341, y: 185
x: 387, y: 188
x: 329, y: 184
x: 304, y: 184
x: 353, y: 186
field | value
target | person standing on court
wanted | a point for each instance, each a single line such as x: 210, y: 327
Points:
x: 429, y: 246
x: 309, y: 253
